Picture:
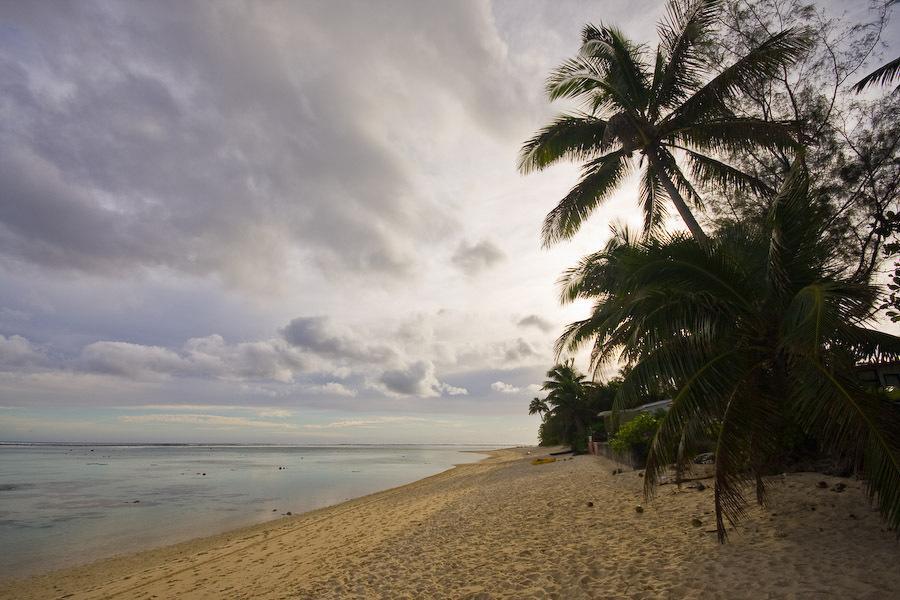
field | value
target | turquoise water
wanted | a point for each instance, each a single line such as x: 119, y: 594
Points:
x: 66, y: 505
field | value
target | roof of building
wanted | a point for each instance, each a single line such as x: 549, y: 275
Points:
x: 649, y: 407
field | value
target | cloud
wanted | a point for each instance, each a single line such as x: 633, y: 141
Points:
x: 519, y: 350
x: 226, y: 140
x: 133, y: 360
x: 333, y: 388
x: 277, y: 413
x: 210, y: 357
x: 415, y: 379
x: 535, y: 321
x: 452, y: 390
x: 322, y: 336
x: 205, y: 420
x: 472, y: 259
x: 508, y: 388
x: 260, y: 411
x: 369, y: 422
x: 18, y: 352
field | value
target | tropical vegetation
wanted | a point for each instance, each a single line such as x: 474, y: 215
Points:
x: 565, y: 410
x: 656, y: 105
x: 635, y: 436
x: 569, y: 410
x: 756, y: 331
x: 755, y: 325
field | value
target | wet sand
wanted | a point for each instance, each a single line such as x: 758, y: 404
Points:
x: 504, y: 528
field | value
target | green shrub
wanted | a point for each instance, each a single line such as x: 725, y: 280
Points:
x: 635, y: 435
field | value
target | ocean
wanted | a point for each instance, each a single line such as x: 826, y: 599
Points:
x: 66, y: 505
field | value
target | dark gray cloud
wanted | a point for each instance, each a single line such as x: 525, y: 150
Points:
x: 230, y: 139
x: 475, y: 258
x: 322, y: 336
x: 519, y: 350
x: 209, y: 357
x: 415, y: 379
x: 535, y: 321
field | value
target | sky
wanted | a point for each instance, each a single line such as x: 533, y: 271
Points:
x: 283, y: 222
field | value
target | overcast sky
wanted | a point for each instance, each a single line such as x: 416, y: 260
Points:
x: 282, y: 221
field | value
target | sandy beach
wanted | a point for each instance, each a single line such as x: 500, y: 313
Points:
x: 504, y: 528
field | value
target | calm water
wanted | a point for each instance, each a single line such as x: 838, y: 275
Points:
x: 65, y: 505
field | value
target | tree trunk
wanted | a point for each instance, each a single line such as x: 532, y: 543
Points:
x: 675, y: 196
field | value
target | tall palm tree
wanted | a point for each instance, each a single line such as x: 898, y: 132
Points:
x: 567, y: 399
x: 655, y: 109
x: 756, y: 330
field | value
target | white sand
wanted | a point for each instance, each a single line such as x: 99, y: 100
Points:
x: 503, y: 528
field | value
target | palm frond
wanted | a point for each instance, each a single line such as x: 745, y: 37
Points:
x: 586, y: 79
x: 793, y: 235
x: 684, y: 28
x: 711, y: 171
x: 598, y: 180
x: 734, y: 134
x: 625, y: 66
x: 569, y: 136
x: 652, y: 205
x: 760, y: 64
x: 848, y: 419
x: 880, y: 76
x: 703, y: 395
x: 869, y: 344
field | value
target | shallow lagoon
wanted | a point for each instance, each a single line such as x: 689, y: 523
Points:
x: 66, y: 505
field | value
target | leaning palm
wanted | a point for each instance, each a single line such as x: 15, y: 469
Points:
x: 659, y: 110
x: 756, y: 331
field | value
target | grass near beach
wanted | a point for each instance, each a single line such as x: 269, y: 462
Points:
x: 504, y: 528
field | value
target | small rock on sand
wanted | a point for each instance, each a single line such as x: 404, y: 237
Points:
x: 822, y: 485
x: 696, y: 522
x: 638, y: 509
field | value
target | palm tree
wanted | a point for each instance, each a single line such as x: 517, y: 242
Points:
x: 756, y: 331
x: 567, y: 399
x: 882, y: 75
x: 656, y: 110
x: 538, y: 407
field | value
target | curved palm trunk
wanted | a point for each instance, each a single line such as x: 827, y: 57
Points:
x: 674, y: 195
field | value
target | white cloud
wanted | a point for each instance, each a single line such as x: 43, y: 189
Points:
x: 260, y: 411
x: 205, y: 420
x: 371, y: 422
x: 452, y: 390
x: 333, y: 388
x: 506, y: 388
